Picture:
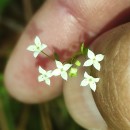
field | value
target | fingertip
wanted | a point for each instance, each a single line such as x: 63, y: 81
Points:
x: 21, y: 76
x: 81, y: 105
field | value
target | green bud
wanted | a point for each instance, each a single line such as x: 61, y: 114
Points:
x: 78, y: 63
x: 82, y: 48
x: 73, y: 72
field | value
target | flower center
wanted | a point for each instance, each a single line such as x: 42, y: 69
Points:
x: 45, y: 76
x: 90, y: 80
x: 38, y: 47
x: 94, y: 59
x: 62, y: 69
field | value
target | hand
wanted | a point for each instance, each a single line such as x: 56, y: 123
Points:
x: 63, y: 25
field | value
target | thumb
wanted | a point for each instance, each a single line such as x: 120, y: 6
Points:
x: 112, y: 96
x: 62, y: 25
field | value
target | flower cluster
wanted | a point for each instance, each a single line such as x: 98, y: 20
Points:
x: 69, y: 69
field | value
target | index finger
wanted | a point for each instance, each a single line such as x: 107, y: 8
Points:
x: 62, y: 25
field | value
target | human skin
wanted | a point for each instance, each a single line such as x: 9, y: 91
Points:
x: 63, y: 25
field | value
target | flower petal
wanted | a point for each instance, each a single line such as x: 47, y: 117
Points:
x: 91, y: 55
x: 93, y: 86
x: 59, y: 64
x: 86, y: 75
x: 64, y: 75
x: 84, y: 83
x: 96, y: 79
x: 99, y: 57
x: 56, y: 72
x: 31, y: 48
x: 97, y: 65
x: 41, y: 70
x: 37, y: 41
x: 49, y: 73
x: 40, y: 78
x: 43, y: 46
x: 36, y: 53
x: 66, y: 67
x: 88, y: 62
x: 47, y: 81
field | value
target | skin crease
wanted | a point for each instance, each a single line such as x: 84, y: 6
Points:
x: 62, y: 25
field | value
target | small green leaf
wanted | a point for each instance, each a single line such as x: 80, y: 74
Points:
x: 78, y: 63
x: 56, y: 56
x: 73, y: 72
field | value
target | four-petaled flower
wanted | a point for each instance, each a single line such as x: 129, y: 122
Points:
x: 61, y: 70
x: 94, y: 60
x: 37, y: 47
x: 44, y: 75
x: 89, y: 80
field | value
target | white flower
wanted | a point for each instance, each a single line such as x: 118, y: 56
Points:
x: 61, y: 70
x: 89, y: 80
x: 94, y: 60
x: 44, y: 75
x: 37, y: 47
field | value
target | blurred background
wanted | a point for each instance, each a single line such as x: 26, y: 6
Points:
x: 14, y: 115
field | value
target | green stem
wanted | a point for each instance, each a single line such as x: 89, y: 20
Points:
x: 48, y: 56
x: 3, y: 119
x: 45, y: 116
x: 24, y: 118
x: 73, y: 58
